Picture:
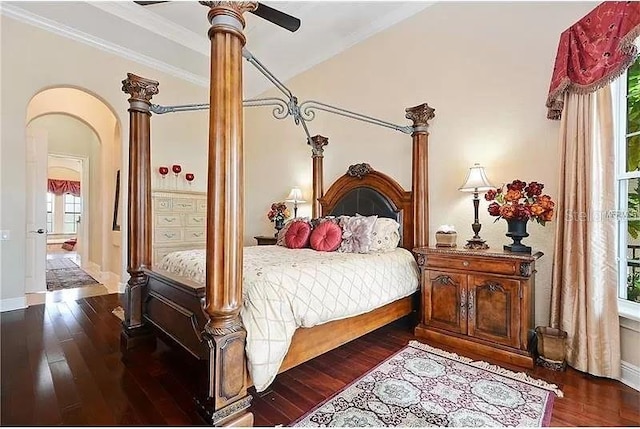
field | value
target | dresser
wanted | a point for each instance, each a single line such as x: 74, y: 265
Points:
x: 478, y: 300
x: 179, y: 222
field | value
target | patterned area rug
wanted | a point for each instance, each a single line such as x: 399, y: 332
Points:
x: 424, y: 386
x: 63, y: 273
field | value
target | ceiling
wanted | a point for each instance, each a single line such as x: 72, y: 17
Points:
x: 172, y: 37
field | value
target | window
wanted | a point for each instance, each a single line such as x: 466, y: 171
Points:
x: 72, y: 210
x: 50, y: 200
x: 628, y: 178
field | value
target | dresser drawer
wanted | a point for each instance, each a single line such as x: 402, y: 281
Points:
x: 201, y: 206
x: 162, y: 204
x: 164, y: 220
x: 195, y: 220
x: 494, y: 266
x: 168, y: 235
x: 194, y: 234
x: 183, y: 204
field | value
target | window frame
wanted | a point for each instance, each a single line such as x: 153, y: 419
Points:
x: 77, y: 205
x: 626, y: 308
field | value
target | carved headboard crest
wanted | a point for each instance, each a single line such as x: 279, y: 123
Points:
x: 359, y: 170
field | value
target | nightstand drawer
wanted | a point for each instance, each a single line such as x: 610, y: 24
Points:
x: 506, y: 267
x: 165, y: 235
x: 168, y: 220
x: 201, y: 206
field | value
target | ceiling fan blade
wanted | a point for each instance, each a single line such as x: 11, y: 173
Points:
x: 146, y: 3
x: 281, y: 19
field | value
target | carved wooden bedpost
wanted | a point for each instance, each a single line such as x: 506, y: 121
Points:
x: 318, y: 143
x: 420, y: 115
x: 227, y: 402
x: 139, y: 207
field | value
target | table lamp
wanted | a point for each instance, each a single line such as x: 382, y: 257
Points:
x: 475, y: 182
x: 295, y: 197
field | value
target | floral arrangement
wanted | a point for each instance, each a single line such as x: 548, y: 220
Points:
x: 521, y: 201
x: 279, y: 212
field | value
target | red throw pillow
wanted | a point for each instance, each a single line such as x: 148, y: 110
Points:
x: 297, y: 235
x: 326, y: 237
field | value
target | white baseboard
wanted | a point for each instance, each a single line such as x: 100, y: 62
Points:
x: 630, y: 375
x: 13, y: 304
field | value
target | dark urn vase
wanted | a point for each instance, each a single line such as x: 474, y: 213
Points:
x: 279, y: 224
x: 517, y: 230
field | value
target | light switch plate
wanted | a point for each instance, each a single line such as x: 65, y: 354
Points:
x: 5, y: 235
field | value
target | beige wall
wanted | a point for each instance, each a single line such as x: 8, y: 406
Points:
x: 33, y: 60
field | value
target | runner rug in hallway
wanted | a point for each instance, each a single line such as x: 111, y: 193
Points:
x: 424, y: 386
x: 63, y: 273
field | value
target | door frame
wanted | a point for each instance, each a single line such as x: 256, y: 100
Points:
x: 84, y: 196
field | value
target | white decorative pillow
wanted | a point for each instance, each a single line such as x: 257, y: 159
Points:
x: 283, y: 231
x: 385, y: 235
x: 356, y: 233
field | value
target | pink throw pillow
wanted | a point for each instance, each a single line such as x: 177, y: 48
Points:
x: 297, y: 235
x: 326, y: 237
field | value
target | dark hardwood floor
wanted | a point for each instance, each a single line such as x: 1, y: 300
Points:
x: 61, y: 365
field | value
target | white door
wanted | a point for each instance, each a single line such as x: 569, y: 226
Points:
x: 36, y: 221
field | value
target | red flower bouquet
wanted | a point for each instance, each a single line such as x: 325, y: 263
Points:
x: 278, y: 213
x: 520, y: 201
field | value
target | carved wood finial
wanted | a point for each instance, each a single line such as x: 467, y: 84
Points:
x: 139, y: 88
x: 420, y: 115
x: 359, y: 170
x: 318, y: 143
x: 239, y: 6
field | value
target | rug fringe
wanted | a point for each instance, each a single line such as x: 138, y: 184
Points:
x: 520, y: 376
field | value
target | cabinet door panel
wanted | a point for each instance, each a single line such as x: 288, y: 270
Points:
x: 494, y: 309
x: 445, y: 301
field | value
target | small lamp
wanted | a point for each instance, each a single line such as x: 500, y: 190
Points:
x: 475, y: 182
x: 295, y: 197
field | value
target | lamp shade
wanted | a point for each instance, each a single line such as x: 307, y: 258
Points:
x: 295, y: 196
x: 476, y: 180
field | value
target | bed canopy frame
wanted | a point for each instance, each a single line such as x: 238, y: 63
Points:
x: 226, y: 401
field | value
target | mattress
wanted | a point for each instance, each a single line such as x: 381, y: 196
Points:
x: 284, y: 289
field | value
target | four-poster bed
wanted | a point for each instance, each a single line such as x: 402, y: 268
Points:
x: 205, y: 320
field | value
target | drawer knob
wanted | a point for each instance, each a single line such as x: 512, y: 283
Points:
x: 465, y: 263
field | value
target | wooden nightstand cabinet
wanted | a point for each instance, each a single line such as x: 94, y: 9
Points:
x: 265, y: 240
x: 479, y: 300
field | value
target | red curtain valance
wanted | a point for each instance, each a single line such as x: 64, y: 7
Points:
x: 594, y: 51
x: 60, y: 187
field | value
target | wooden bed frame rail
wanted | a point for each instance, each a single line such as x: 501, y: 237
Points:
x: 226, y: 401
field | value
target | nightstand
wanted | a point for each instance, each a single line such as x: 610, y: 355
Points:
x: 265, y: 240
x: 479, y: 300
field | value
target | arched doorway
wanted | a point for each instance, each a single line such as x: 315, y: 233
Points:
x: 72, y: 122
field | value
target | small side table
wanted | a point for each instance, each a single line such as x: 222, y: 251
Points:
x: 265, y: 240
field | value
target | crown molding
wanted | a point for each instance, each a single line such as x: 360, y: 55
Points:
x: 150, y: 21
x: 59, y: 29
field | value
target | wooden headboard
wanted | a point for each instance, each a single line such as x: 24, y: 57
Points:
x: 368, y: 192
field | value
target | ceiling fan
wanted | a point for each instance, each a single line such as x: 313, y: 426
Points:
x: 281, y: 19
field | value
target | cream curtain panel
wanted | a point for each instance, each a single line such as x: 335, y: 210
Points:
x: 584, y: 299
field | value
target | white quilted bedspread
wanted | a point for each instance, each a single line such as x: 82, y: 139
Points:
x: 285, y: 289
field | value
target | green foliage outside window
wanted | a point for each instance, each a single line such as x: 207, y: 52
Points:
x: 633, y: 116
